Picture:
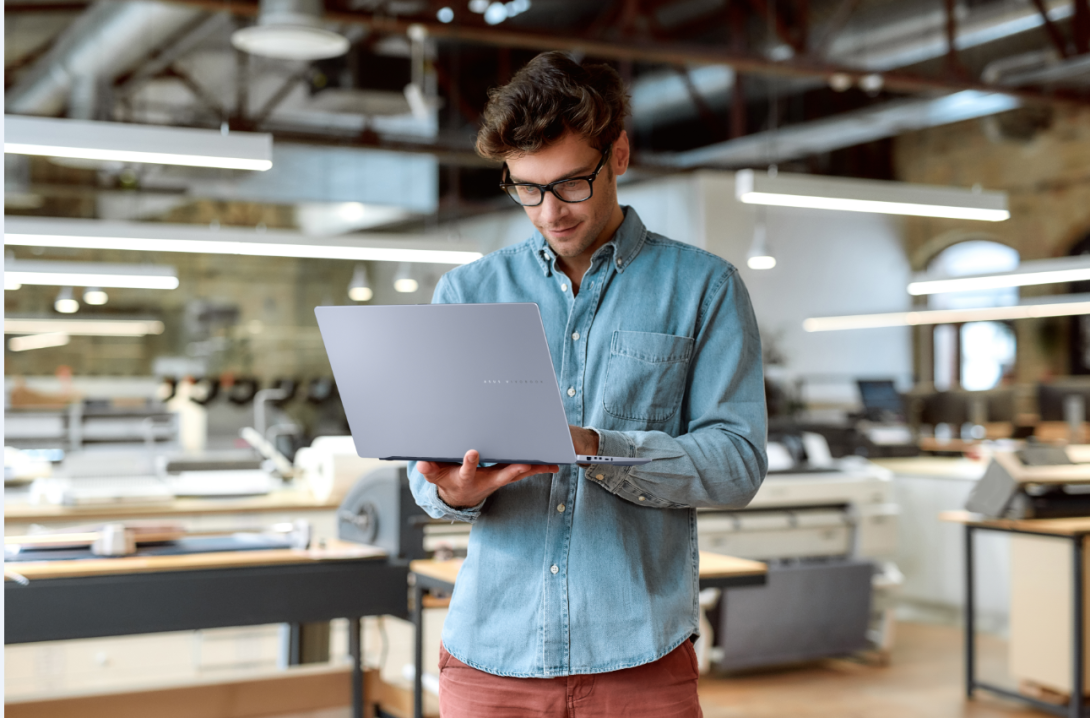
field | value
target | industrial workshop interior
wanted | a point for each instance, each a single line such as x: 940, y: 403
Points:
x: 299, y: 296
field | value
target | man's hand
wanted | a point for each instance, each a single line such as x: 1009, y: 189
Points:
x: 463, y: 486
x: 584, y: 440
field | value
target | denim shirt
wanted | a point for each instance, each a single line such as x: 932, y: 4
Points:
x: 596, y: 569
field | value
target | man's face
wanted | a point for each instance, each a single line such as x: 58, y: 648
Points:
x: 571, y: 228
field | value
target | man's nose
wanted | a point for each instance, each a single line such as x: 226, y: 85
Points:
x: 552, y: 208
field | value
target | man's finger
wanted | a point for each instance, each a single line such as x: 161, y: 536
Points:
x: 469, y: 464
x: 518, y: 472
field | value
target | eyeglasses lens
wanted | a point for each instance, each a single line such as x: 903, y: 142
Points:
x: 573, y: 190
x: 524, y: 194
x: 576, y: 190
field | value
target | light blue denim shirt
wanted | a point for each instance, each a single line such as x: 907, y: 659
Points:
x: 594, y: 570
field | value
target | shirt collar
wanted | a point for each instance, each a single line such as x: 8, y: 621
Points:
x: 626, y: 243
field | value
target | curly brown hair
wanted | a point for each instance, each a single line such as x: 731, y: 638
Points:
x: 548, y: 97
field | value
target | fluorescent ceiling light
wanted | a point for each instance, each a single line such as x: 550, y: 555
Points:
x: 853, y: 195
x: 120, y: 142
x: 38, y: 341
x: 83, y: 327
x: 90, y: 274
x: 157, y: 237
x: 1044, y: 271
x: 1055, y: 306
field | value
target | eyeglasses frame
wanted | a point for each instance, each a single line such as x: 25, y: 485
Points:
x: 549, y: 187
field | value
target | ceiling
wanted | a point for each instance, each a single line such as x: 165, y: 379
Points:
x: 816, y: 85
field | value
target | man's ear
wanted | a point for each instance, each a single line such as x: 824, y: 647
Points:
x: 621, y: 154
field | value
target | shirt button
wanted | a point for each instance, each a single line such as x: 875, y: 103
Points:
x: 560, y: 508
x: 554, y: 569
x: 575, y: 336
x: 563, y: 287
x: 599, y: 477
x: 571, y: 391
x: 618, y: 262
x: 643, y: 498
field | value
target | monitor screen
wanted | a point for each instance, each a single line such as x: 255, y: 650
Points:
x: 881, y: 395
x: 1050, y: 400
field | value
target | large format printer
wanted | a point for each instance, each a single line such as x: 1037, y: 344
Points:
x: 828, y: 530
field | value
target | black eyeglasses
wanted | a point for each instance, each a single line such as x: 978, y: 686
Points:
x: 572, y: 189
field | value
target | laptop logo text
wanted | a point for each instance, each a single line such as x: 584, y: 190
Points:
x: 513, y: 381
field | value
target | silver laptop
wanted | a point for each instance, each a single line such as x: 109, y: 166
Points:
x: 430, y: 382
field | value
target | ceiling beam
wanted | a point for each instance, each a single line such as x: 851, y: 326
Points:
x: 836, y: 23
x: 1054, y: 32
x: 1080, y: 26
x: 659, y: 52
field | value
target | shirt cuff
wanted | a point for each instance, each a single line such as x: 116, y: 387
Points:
x: 611, y: 443
x: 468, y: 515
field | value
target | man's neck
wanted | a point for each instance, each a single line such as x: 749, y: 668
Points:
x: 576, y: 267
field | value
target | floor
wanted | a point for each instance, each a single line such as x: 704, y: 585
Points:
x: 924, y: 680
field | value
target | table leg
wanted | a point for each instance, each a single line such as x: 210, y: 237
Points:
x: 355, y: 650
x: 970, y: 616
x: 418, y: 651
x: 294, y: 643
x: 1078, y: 618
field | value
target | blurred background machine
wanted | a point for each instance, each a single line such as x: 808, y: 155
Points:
x: 828, y: 529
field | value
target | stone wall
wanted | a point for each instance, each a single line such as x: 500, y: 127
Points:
x: 1041, y: 157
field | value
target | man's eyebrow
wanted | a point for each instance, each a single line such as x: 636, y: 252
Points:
x: 584, y: 171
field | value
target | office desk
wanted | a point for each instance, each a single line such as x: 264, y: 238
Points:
x: 18, y: 510
x: 133, y: 595
x: 716, y: 571
x: 1074, y: 530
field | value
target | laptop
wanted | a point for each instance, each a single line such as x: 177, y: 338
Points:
x: 430, y: 382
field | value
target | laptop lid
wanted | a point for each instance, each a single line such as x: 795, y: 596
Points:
x: 432, y: 381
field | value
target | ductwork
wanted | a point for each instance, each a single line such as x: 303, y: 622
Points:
x: 868, y: 42
x: 664, y: 97
x: 915, y: 36
x: 107, y: 40
x: 843, y: 130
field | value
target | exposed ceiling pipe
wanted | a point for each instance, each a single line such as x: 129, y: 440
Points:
x: 843, y: 130
x: 912, y: 36
x: 108, y: 39
x: 868, y: 43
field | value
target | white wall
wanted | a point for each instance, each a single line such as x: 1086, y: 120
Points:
x: 827, y: 263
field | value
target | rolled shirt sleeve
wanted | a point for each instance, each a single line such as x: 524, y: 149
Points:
x: 720, y: 461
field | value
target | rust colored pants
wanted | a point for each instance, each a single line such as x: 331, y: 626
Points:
x: 663, y: 689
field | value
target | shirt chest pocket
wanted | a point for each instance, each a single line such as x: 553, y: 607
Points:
x: 645, y: 376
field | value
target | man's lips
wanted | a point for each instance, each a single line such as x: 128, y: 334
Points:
x: 561, y: 231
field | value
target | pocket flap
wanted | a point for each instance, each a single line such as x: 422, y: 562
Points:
x: 652, y: 347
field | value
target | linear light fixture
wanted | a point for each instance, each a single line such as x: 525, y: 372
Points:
x: 1055, y: 306
x: 121, y: 142
x: 156, y: 237
x: 90, y: 327
x: 1042, y: 271
x: 38, y: 341
x: 881, y: 197
x: 90, y: 274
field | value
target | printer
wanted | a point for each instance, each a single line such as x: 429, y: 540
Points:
x: 1037, y: 482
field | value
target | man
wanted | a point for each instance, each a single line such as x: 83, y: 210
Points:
x: 579, y: 592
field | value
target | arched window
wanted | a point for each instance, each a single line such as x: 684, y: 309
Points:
x: 975, y: 355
